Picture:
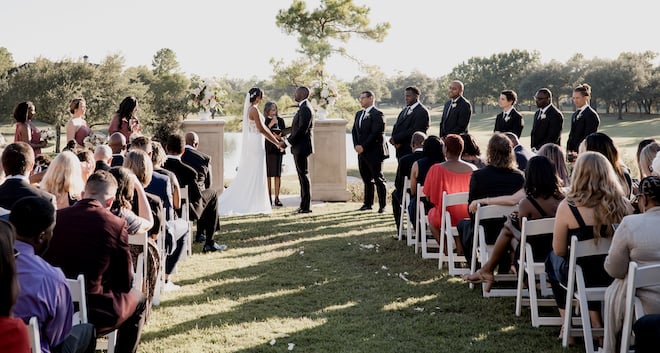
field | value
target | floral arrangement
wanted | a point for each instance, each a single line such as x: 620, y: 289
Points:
x: 95, y: 139
x: 323, y: 94
x: 207, y: 95
x: 47, y: 134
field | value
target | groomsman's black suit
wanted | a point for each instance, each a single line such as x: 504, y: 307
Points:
x: 407, y: 123
x: 548, y: 129
x: 455, y: 120
x: 203, y: 203
x: 202, y: 165
x: 581, y: 127
x: 367, y: 132
x: 514, y: 123
x: 301, y: 147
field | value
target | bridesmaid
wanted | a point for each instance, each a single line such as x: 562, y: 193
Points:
x: 76, y: 127
x: 25, y: 129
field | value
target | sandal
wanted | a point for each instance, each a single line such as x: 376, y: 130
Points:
x: 481, y: 277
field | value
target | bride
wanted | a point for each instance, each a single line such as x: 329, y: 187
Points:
x: 248, y: 192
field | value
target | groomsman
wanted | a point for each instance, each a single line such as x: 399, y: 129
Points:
x: 509, y: 120
x: 457, y: 112
x: 414, y: 117
x: 584, y: 121
x: 548, y: 121
x: 301, y: 146
x: 367, y: 132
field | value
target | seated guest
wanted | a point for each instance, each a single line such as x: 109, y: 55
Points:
x: 523, y: 154
x: 44, y: 292
x: 647, y: 331
x: 87, y: 164
x: 499, y: 177
x: 646, y: 157
x: 640, y: 146
x: 102, y: 157
x: 543, y: 195
x: 636, y: 239
x: 17, y: 163
x: 158, y: 157
x: 432, y: 153
x: 603, y: 144
x: 593, y: 204
x: 117, y: 142
x: 89, y: 239
x: 556, y: 156
x: 41, y: 163
x: 200, y: 161
x: 64, y: 179
x: 13, y: 332
x: 471, y: 151
x: 403, y: 171
x: 452, y: 176
x: 203, y: 203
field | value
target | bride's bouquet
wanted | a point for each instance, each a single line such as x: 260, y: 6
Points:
x: 207, y: 95
x: 323, y: 94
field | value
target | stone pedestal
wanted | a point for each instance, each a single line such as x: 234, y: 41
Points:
x: 211, y: 141
x: 327, y: 166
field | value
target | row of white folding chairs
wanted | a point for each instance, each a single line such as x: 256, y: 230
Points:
x: 639, y: 277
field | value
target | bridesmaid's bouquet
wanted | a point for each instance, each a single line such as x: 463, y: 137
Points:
x: 95, y: 139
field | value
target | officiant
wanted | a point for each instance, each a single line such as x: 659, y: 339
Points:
x: 274, y: 154
x: 369, y: 143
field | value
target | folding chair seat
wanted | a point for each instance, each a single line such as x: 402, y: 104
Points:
x: 480, y: 249
x: 535, y: 273
x: 185, y: 214
x: 427, y: 240
x: 33, y: 332
x: 638, y: 277
x: 576, y: 289
x: 405, y: 223
x: 447, y: 233
x: 140, y: 271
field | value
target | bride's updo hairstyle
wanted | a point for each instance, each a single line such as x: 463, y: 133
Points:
x: 255, y: 92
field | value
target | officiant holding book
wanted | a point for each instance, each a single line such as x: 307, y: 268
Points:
x: 274, y: 154
x: 368, y: 142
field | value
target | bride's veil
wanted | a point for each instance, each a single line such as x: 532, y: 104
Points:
x: 245, y: 147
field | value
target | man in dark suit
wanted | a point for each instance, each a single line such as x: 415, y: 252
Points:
x: 414, y: 117
x: 89, y: 239
x: 548, y: 121
x: 403, y: 171
x: 584, y: 121
x: 509, y: 120
x: 301, y: 146
x: 367, y: 132
x: 17, y: 162
x: 523, y: 154
x: 117, y: 142
x: 102, y: 157
x: 200, y: 161
x: 457, y: 112
x: 203, y: 203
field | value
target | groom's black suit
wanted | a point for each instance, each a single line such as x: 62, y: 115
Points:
x: 301, y: 147
x: 368, y: 132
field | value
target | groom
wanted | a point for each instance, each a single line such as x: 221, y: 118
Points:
x: 301, y: 145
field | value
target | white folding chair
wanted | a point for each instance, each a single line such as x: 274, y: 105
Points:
x: 638, y: 277
x: 480, y: 248
x: 534, y: 270
x: 140, y: 271
x: 77, y: 289
x: 576, y: 289
x: 185, y: 214
x: 33, y: 332
x: 405, y: 223
x: 447, y: 233
x: 425, y: 235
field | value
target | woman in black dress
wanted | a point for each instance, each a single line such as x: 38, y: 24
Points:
x: 273, y: 153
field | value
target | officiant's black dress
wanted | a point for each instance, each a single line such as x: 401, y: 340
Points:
x: 273, y: 154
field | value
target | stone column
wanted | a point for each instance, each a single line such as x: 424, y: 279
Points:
x: 211, y: 141
x: 327, y: 165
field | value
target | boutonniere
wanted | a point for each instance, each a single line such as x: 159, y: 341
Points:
x: 542, y: 116
x: 578, y: 116
x: 366, y: 116
x: 409, y: 111
x: 507, y: 118
x: 453, y: 105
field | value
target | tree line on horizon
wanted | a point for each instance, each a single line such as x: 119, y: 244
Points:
x: 629, y: 83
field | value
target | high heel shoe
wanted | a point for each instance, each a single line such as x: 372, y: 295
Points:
x: 277, y: 202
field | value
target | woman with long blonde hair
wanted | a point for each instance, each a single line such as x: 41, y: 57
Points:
x: 594, y: 202
x: 64, y: 179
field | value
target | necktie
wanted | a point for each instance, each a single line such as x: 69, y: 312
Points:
x: 506, y: 117
x: 539, y: 116
x: 405, y: 111
x: 364, y: 112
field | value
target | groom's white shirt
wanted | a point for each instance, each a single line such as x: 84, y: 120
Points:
x: 173, y: 157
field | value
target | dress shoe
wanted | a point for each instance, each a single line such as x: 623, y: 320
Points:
x: 200, y: 238
x: 304, y: 211
x: 381, y: 210
x: 364, y: 208
x: 214, y: 247
x: 278, y: 203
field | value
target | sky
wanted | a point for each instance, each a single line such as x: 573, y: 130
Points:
x: 237, y: 39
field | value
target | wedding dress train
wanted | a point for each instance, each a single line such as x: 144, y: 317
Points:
x: 248, y: 192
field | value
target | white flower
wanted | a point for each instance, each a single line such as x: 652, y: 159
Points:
x: 578, y: 117
x: 207, y: 95
x: 542, y: 116
x: 453, y: 105
x: 95, y: 139
x: 366, y: 116
x: 323, y: 94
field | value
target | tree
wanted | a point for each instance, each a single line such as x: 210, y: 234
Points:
x: 373, y: 80
x: 550, y: 76
x: 322, y: 31
x: 165, y: 62
x: 6, y: 62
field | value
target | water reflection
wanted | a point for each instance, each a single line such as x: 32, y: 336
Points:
x: 233, y: 143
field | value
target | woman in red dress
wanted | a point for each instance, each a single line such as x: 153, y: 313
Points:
x: 25, y: 130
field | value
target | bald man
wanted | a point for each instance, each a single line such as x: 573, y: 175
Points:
x: 198, y: 160
x: 457, y: 112
x: 117, y: 143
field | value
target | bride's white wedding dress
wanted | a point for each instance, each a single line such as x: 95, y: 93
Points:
x: 248, y: 192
